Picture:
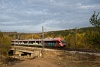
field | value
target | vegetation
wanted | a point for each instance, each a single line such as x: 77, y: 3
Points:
x: 95, y: 37
x: 5, y: 43
x: 95, y: 19
x: 86, y: 37
x: 83, y: 36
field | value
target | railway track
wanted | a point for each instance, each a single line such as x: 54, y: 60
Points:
x: 83, y: 50
x: 66, y: 49
x: 73, y: 50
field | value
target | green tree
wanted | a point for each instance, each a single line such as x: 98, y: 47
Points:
x: 95, y: 36
x: 95, y: 19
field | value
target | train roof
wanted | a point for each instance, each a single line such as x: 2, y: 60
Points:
x: 46, y: 39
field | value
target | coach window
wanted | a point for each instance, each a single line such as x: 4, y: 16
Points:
x: 37, y: 42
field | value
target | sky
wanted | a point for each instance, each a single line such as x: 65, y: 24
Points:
x: 29, y: 16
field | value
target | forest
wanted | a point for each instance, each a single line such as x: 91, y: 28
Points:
x: 88, y: 37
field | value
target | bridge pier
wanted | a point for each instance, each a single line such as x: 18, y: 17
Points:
x: 37, y: 53
x: 18, y: 53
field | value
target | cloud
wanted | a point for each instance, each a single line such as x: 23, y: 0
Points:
x: 31, y: 15
x: 88, y: 6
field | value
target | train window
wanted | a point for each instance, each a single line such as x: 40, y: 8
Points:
x: 63, y: 41
x: 37, y: 42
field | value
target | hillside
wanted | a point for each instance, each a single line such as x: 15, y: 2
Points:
x: 53, y: 33
x: 87, y: 37
x: 66, y: 32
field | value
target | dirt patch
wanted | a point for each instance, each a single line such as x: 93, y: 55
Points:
x: 59, y: 59
x: 67, y: 59
x: 38, y: 62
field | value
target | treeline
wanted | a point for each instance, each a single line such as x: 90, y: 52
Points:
x: 88, y: 37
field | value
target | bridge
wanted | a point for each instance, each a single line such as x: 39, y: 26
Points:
x: 29, y: 52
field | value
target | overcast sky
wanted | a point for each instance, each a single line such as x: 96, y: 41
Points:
x: 30, y: 15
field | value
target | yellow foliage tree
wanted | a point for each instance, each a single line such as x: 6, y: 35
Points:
x: 5, y: 43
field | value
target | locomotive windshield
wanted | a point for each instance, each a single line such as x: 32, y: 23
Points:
x: 63, y: 41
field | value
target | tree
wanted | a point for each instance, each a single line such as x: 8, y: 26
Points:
x: 5, y: 43
x: 1, y: 34
x: 70, y: 40
x: 95, y: 38
x: 95, y: 19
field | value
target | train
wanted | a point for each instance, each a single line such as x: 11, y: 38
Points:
x: 47, y: 42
